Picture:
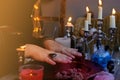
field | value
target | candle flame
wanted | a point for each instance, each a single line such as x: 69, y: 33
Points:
x: 87, y: 9
x: 69, y: 19
x: 31, y: 74
x: 100, y: 2
x: 113, y: 11
x: 23, y: 47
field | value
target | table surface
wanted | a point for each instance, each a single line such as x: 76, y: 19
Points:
x: 14, y: 76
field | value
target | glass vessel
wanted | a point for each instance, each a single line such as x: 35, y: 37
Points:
x: 31, y: 72
x: 101, y: 56
x: 116, y: 59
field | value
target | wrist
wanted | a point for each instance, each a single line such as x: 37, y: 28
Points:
x: 23, y: 57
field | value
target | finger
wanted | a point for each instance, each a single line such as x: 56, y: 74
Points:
x: 62, y: 60
x: 48, y: 60
x: 74, y: 52
x: 74, y: 49
x: 66, y: 61
x: 67, y: 52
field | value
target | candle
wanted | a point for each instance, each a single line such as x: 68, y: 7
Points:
x: 29, y: 73
x: 100, y: 10
x: 86, y: 25
x: 69, y: 24
x: 22, y: 48
x: 112, y: 19
x: 88, y: 15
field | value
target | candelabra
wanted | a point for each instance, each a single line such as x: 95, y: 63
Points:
x: 99, y: 35
x: 100, y: 52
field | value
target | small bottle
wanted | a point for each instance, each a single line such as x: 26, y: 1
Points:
x: 79, y: 44
x: 110, y: 66
x: 73, y: 41
x: 69, y: 33
x: 101, y: 56
x: 86, y: 51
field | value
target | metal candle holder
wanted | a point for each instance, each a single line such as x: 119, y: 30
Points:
x: 100, y: 32
x: 99, y: 35
x: 112, y: 33
x: 86, y: 49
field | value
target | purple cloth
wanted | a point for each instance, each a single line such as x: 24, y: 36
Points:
x: 104, y: 76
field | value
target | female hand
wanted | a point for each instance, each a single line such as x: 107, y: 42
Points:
x: 57, y: 47
x: 41, y: 54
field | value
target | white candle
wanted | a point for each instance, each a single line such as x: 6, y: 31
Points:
x: 88, y: 15
x: 86, y: 25
x: 63, y: 41
x: 100, y: 10
x: 89, y: 18
x: 112, y: 19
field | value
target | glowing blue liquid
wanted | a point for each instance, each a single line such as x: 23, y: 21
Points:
x: 101, y: 57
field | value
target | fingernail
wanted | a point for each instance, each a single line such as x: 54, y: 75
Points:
x: 80, y: 54
x: 73, y: 57
x: 70, y: 58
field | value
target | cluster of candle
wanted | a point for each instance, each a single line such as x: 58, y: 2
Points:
x: 100, y: 11
x: 87, y: 22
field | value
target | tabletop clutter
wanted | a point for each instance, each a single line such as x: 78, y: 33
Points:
x: 79, y: 69
x: 101, y: 64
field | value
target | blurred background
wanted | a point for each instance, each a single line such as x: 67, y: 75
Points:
x: 15, y: 30
x: 16, y: 23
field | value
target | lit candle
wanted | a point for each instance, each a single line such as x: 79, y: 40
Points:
x: 86, y: 25
x: 69, y: 24
x: 22, y: 48
x: 31, y: 73
x: 112, y: 19
x: 88, y: 15
x: 100, y: 10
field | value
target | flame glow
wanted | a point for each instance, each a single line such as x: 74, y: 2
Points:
x: 113, y: 11
x: 69, y: 19
x: 22, y: 47
x: 87, y: 9
x: 100, y: 2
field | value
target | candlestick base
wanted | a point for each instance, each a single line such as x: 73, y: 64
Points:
x: 112, y: 33
x: 99, y: 22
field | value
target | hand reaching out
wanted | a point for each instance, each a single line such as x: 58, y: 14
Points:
x: 57, y: 47
x: 43, y: 55
x: 71, y: 52
x: 61, y: 53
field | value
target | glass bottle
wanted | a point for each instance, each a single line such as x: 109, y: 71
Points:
x: 87, y: 51
x: 101, y: 55
x: 116, y: 59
